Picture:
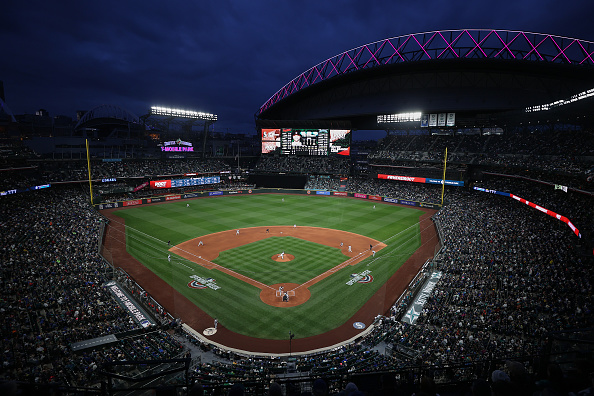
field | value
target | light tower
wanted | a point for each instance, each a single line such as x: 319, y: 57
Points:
x: 175, y: 123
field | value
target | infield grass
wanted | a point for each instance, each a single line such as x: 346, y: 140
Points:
x: 237, y: 304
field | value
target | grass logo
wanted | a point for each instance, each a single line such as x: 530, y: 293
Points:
x: 196, y: 285
x: 363, y: 277
x: 202, y: 283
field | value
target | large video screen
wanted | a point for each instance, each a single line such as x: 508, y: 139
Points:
x: 290, y: 141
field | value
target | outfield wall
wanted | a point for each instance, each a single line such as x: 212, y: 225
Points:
x: 202, y: 194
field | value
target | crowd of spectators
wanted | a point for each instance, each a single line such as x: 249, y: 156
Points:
x: 511, y: 276
x: 323, y: 183
x: 26, y: 174
x: 52, y: 292
x: 552, y: 151
x: 396, y: 189
x: 331, y: 165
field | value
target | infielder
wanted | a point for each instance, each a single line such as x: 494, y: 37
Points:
x: 200, y: 243
x: 237, y: 232
x: 350, y: 248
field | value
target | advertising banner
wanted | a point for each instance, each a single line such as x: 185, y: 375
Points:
x: 375, y: 197
x: 126, y: 302
x: 535, y: 206
x: 133, y: 202
x: 417, y: 306
x: 357, y: 195
x: 402, y: 178
x: 322, y: 192
x: 140, y: 187
x: 160, y: 184
x: 172, y: 197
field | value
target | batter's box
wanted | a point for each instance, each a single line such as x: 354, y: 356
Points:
x: 290, y: 293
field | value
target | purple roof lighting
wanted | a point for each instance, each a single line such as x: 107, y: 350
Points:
x: 444, y: 44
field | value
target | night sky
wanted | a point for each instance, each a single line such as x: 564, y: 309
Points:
x: 222, y: 57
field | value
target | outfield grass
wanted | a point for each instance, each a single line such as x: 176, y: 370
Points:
x: 236, y: 304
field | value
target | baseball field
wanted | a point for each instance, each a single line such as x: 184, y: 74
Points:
x: 266, y: 264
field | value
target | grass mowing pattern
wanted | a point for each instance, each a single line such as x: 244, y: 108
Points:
x: 254, y: 260
x: 237, y: 304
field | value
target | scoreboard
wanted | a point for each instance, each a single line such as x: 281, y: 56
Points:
x: 304, y: 141
x: 316, y: 142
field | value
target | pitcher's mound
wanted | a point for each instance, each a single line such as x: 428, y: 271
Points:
x: 287, y: 257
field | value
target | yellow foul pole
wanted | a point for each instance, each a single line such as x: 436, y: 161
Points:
x: 445, y: 161
x: 89, y: 168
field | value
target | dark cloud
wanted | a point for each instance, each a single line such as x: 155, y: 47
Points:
x: 225, y: 57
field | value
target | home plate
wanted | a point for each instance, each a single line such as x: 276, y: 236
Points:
x: 209, y: 331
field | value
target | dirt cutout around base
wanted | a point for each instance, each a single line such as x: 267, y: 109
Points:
x: 274, y: 296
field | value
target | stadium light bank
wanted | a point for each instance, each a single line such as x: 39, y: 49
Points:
x: 179, y: 113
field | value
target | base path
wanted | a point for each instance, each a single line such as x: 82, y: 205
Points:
x: 174, y: 302
x: 206, y: 248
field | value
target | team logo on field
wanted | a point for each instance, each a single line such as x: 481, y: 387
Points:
x: 196, y: 285
x: 362, y: 277
x: 199, y: 282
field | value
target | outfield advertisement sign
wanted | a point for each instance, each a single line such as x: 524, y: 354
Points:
x: 426, y: 180
x: 157, y: 199
x: 194, y: 181
x: 160, y: 184
x: 172, y: 197
x: 133, y: 202
x: 416, y: 307
x: 534, y: 206
x: 129, y: 304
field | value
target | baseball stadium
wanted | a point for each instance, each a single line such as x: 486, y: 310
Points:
x: 455, y: 252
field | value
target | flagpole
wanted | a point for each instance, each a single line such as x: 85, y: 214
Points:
x: 445, y: 161
x: 89, y: 168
